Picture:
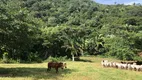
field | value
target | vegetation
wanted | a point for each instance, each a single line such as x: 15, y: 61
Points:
x: 33, y: 30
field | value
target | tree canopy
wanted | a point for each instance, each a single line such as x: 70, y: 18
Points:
x: 33, y: 30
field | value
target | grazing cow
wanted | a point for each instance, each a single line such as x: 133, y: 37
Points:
x: 119, y: 65
x: 137, y: 67
x: 114, y: 64
x: 129, y: 67
x: 56, y: 65
x: 124, y: 66
x: 104, y: 63
x: 133, y: 66
x: 140, y: 67
x: 110, y: 64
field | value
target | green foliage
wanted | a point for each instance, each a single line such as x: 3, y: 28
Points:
x: 34, y: 57
x: 121, y: 45
x: 5, y: 57
x: 17, y: 31
x: 33, y: 30
x: 57, y: 59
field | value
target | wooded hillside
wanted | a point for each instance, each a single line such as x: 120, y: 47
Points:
x: 33, y: 30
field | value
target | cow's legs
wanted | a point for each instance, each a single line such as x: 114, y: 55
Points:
x: 56, y: 70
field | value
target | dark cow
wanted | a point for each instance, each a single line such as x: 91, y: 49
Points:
x: 56, y: 65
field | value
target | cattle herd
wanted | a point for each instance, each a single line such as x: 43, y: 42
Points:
x: 123, y: 65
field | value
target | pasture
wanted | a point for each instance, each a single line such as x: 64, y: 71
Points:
x: 88, y: 68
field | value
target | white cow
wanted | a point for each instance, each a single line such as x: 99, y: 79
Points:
x: 104, y: 63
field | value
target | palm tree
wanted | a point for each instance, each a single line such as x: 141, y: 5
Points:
x: 72, y: 44
x: 74, y: 48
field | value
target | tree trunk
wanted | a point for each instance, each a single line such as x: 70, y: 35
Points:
x: 45, y: 56
x: 72, y: 57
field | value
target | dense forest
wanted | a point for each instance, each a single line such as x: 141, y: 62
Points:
x: 33, y: 30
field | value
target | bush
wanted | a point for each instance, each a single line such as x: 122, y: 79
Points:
x: 120, y: 48
x: 5, y: 57
x: 138, y: 58
x: 39, y: 60
x: 122, y: 54
x: 34, y: 57
x: 57, y: 59
x: 8, y: 61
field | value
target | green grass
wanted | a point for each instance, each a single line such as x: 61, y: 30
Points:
x: 89, y: 68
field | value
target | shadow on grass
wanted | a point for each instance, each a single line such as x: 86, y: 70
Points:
x: 36, y: 73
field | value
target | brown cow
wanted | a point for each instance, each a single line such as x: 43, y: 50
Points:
x: 56, y: 65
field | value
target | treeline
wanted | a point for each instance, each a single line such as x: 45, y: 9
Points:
x: 33, y: 30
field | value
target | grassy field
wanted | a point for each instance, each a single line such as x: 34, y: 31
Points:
x: 89, y: 68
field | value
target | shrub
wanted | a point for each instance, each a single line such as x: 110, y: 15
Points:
x: 57, y: 59
x: 5, y: 57
x: 120, y: 48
